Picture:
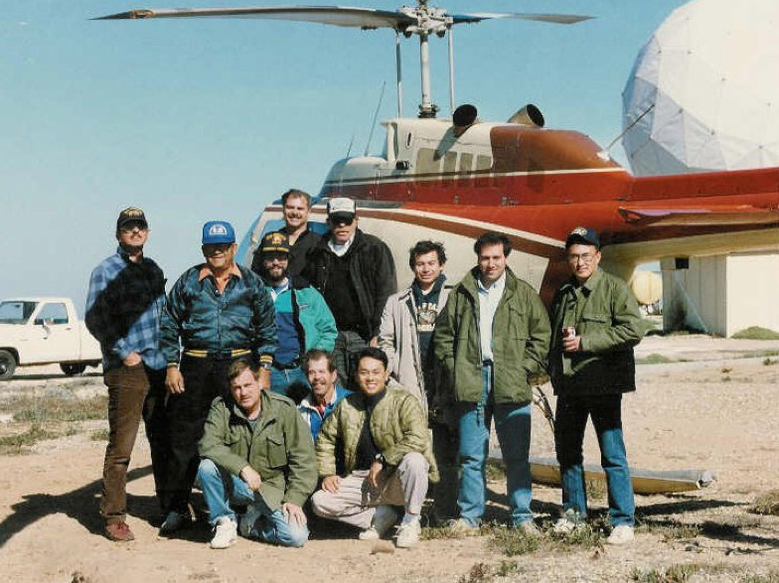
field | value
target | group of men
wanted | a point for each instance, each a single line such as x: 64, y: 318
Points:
x: 308, y: 380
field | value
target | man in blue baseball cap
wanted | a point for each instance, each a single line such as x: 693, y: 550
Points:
x: 218, y: 311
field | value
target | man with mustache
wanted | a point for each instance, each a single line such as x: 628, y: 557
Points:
x: 296, y: 205
x: 325, y: 393
x: 124, y: 307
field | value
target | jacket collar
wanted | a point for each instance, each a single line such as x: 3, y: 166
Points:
x: 204, y: 271
x: 590, y: 285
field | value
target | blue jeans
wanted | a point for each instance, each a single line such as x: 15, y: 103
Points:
x: 220, y: 488
x: 570, y: 423
x: 281, y: 379
x: 512, y: 424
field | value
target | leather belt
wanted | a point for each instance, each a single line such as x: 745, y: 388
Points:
x: 217, y: 354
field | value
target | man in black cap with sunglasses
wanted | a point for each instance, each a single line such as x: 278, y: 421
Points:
x: 355, y: 273
x: 124, y: 309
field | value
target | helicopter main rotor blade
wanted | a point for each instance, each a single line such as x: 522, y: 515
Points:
x: 365, y: 18
x: 553, y: 18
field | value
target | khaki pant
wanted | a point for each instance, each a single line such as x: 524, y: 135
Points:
x: 355, y: 501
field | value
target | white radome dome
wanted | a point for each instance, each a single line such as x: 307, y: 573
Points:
x: 711, y: 70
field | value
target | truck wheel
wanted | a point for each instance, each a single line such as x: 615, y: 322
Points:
x: 73, y: 368
x: 7, y: 365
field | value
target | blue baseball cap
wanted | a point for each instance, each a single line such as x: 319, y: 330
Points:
x: 218, y: 232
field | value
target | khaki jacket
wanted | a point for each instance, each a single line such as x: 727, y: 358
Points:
x: 397, y: 426
x: 399, y: 339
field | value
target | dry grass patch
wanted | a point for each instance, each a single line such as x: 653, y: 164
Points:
x: 767, y: 504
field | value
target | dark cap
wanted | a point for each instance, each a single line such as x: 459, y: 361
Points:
x: 276, y: 242
x: 583, y: 235
x: 129, y: 215
x: 215, y: 232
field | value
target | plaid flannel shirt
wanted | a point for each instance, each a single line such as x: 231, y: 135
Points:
x: 124, y: 309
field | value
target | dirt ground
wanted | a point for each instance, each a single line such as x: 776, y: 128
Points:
x: 714, y: 407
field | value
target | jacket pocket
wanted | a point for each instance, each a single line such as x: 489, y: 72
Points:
x: 594, y: 322
x: 277, y: 453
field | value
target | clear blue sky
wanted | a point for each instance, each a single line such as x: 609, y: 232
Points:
x: 202, y: 119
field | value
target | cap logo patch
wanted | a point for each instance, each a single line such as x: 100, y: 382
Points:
x: 217, y: 229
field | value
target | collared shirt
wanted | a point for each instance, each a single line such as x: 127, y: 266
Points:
x: 489, y: 298
x: 312, y: 413
x: 124, y: 307
x: 339, y: 249
x: 205, y: 271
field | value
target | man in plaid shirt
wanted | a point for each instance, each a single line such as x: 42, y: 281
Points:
x: 124, y: 306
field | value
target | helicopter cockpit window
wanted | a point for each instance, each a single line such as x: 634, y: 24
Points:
x: 483, y: 162
x: 427, y: 162
x: 450, y: 162
x: 466, y: 162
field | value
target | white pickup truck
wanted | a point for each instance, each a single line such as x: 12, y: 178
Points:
x: 44, y: 331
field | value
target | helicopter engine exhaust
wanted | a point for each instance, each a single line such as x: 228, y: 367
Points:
x: 529, y: 115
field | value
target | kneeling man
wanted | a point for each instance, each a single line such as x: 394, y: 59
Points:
x: 256, y: 451
x: 387, y: 456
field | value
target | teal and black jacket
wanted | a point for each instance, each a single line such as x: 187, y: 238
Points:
x: 242, y: 317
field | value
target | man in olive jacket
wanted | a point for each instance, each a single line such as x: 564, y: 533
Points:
x: 596, y: 323
x: 493, y: 334
x: 256, y: 451
x: 380, y: 435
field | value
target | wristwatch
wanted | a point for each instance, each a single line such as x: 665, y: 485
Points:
x: 380, y: 458
x: 266, y: 365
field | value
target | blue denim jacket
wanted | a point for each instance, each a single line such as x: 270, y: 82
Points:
x: 242, y: 317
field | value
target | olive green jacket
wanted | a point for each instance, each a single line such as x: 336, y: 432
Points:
x: 520, y: 333
x: 279, y: 449
x: 397, y: 426
x: 605, y: 314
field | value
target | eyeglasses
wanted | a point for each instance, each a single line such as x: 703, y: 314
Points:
x: 585, y: 258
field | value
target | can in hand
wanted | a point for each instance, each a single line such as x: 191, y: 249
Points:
x: 569, y: 332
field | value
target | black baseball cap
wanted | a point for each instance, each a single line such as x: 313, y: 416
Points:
x: 583, y: 235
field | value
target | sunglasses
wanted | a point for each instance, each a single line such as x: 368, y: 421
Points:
x: 340, y: 220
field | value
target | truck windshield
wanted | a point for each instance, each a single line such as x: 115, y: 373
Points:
x: 16, y: 312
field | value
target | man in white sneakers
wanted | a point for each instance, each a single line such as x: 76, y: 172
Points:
x: 387, y: 457
x: 256, y: 451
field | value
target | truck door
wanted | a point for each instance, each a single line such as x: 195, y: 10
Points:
x: 55, y: 334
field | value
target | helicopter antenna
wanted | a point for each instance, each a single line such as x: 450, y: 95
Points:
x: 604, y: 153
x: 375, y: 117
x: 349, y: 149
x: 421, y: 20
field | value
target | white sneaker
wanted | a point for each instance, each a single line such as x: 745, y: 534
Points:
x: 383, y: 519
x: 248, y: 520
x: 225, y: 533
x: 567, y: 523
x: 621, y: 535
x: 408, y: 534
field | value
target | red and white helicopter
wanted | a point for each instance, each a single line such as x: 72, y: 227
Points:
x: 452, y: 179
